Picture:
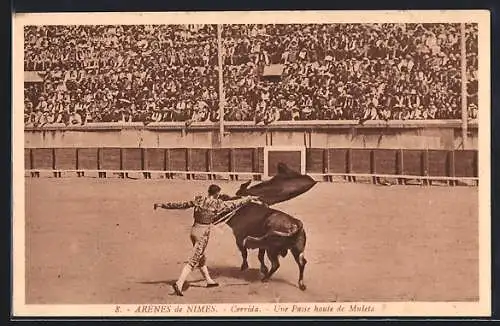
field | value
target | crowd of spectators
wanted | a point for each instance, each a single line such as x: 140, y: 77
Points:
x: 349, y: 71
x: 154, y: 73
x: 121, y: 73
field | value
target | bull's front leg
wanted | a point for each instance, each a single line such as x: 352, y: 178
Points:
x: 244, y: 255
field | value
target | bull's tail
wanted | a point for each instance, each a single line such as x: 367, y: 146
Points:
x: 257, y: 242
x: 294, y: 230
x: 283, y: 234
x: 294, y: 235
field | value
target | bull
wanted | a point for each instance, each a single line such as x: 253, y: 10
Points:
x: 271, y: 231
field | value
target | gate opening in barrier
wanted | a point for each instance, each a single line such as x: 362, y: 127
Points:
x: 293, y: 156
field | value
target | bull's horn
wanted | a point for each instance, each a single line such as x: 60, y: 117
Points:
x: 245, y: 185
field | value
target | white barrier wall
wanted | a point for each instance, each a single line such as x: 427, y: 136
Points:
x: 315, y: 134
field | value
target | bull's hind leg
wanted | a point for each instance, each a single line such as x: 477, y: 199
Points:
x: 298, y: 253
x: 275, y: 264
x: 244, y: 255
x: 301, y: 261
x: 263, y: 267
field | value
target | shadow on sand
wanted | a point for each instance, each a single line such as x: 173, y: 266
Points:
x: 251, y: 275
x: 186, y: 286
x: 167, y: 282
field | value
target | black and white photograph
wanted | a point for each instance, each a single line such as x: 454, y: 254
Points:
x: 252, y: 163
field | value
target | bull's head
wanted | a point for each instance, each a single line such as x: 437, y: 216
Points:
x: 243, y: 188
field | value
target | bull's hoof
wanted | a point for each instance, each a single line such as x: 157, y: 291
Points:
x: 302, y: 287
x: 244, y: 266
x: 265, y: 279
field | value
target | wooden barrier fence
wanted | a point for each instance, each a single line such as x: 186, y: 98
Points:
x: 401, y: 164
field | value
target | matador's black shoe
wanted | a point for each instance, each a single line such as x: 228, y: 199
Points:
x: 177, y: 291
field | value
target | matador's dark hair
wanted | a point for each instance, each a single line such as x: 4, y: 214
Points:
x: 213, y: 190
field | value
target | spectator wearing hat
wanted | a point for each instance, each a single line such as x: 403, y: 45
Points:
x: 316, y: 57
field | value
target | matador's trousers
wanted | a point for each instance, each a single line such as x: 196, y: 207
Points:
x: 200, y: 233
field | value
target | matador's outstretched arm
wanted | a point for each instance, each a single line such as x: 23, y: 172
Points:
x: 179, y: 205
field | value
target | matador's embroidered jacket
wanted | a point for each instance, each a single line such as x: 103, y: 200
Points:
x: 207, y: 209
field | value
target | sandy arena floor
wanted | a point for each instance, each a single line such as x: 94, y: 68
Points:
x: 98, y: 241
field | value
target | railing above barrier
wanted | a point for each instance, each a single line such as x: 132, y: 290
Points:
x: 246, y: 125
x: 320, y: 162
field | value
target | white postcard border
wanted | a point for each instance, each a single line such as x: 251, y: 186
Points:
x: 481, y: 308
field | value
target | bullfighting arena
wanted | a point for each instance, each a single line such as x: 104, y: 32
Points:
x: 98, y: 241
